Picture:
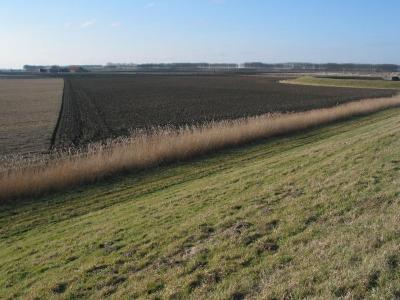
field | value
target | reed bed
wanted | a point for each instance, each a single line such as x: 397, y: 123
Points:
x: 144, y: 150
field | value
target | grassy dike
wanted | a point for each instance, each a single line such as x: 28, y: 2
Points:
x: 310, y: 215
x: 349, y: 83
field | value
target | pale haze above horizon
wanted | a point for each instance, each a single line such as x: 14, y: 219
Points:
x: 44, y: 32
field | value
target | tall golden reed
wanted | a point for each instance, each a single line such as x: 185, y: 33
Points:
x: 146, y: 150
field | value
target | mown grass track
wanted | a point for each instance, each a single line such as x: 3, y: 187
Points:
x: 345, y: 82
x: 312, y: 215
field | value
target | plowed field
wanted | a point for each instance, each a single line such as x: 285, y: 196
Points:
x: 97, y: 108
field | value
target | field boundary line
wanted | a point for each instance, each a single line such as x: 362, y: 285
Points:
x: 60, y: 113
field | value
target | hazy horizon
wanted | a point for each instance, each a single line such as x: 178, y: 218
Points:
x: 215, y: 31
x: 200, y: 62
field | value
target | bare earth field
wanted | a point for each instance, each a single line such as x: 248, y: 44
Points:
x: 28, y: 114
x: 101, y: 107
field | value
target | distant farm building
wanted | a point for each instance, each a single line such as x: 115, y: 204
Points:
x: 75, y: 69
x: 392, y: 77
x: 57, y: 69
x: 53, y: 69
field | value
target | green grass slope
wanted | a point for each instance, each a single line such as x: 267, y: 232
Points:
x: 350, y: 83
x: 312, y: 215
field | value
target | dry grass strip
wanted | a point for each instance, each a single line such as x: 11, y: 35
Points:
x: 166, y: 145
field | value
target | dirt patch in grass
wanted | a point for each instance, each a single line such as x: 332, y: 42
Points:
x: 59, y: 288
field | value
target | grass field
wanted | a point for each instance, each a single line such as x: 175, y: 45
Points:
x: 348, y: 83
x: 28, y: 114
x: 313, y: 215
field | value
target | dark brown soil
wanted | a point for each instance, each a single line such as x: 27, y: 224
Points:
x: 100, y: 107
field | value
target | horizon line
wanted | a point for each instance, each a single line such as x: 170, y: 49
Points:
x: 203, y: 62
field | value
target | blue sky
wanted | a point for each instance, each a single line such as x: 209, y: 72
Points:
x: 97, y: 32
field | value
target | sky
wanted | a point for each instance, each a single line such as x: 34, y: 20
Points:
x: 64, y: 32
